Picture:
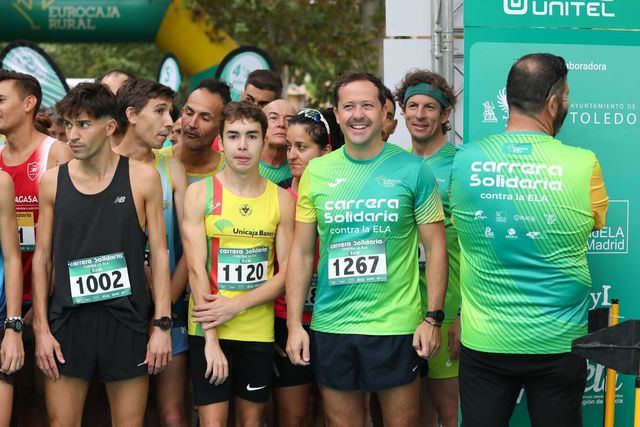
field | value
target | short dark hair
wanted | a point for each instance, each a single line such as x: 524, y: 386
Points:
x: 26, y: 84
x: 129, y: 75
x: 532, y: 79
x: 136, y: 93
x: 355, y: 76
x: 388, y: 96
x: 176, y: 111
x: 216, y: 87
x: 316, y: 130
x: 95, y: 99
x: 414, y: 77
x: 337, y: 137
x: 243, y: 111
x: 265, y: 80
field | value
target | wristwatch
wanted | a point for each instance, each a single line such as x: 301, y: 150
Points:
x: 165, y: 323
x: 437, y: 316
x: 14, y: 323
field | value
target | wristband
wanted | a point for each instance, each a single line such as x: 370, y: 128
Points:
x: 430, y: 322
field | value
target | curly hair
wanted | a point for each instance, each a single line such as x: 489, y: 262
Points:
x: 414, y: 77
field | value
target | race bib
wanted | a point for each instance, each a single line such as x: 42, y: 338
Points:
x: 358, y: 261
x: 311, y: 294
x: 26, y: 231
x: 99, y: 278
x: 242, y: 269
x: 422, y: 257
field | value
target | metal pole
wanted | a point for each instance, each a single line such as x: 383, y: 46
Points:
x: 448, y: 70
x: 612, y: 376
x: 436, y: 36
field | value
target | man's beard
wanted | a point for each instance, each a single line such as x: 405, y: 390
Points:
x: 558, y: 120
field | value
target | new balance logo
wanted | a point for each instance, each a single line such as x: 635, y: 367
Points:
x: 336, y: 183
x: 120, y: 199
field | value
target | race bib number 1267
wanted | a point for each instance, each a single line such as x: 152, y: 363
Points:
x: 358, y: 261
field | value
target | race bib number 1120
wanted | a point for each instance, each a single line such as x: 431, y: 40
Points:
x: 242, y: 269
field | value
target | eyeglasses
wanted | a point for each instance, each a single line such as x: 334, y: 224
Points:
x: 314, y: 115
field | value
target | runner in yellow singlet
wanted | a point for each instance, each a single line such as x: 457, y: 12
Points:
x: 236, y: 224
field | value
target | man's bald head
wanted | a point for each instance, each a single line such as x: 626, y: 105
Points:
x: 533, y: 79
x: 279, y: 113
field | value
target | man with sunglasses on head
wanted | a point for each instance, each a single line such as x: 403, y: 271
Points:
x: 523, y: 204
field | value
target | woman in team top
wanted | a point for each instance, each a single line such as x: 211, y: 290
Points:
x: 308, y: 137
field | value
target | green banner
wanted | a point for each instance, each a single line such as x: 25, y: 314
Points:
x: 28, y: 58
x: 236, y: 66
x: 169, y: 73
x: 107, y: 21
x: 604, y: 116
x: 622, y: 14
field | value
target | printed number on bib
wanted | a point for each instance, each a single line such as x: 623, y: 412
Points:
x: 99, y: 278
x: 358, y: 261
x: 26, y: 231
x: 242, y: 269
x: 311, y: 293
x: 422, y: 257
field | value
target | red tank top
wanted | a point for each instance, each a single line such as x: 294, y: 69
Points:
x: 26, y: 180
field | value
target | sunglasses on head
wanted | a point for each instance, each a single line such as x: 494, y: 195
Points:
x: 314, y: 115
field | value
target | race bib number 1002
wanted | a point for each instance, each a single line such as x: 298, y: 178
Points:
x: 99, y: 278
x: 242, y: 269
x: 358, y: 261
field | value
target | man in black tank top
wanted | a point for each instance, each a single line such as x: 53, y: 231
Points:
x: 93, y: 321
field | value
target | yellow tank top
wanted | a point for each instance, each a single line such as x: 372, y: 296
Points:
x: 240, y: 252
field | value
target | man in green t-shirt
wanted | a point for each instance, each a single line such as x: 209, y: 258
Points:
x: 273, y: 162
x: 427, y: 101
x: 367, y: 202
x: 524, y: 204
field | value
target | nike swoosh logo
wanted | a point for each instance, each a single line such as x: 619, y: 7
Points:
x: 249, y: 388
x: 414, y: 369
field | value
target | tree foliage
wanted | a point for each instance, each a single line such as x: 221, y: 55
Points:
x: 310, y: 41
x: 92, y: 60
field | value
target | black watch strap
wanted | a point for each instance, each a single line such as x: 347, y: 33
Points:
x: 14, y: 323
x: 165, y: 323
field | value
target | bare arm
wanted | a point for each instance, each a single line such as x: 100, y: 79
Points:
x: 301, y: 259
x: 157, y: 243
x: 147, y: 180
x: 426, y: 339
x: 11, y: 350
x: 42, y: 267
x: 437, y: 269
x: 194, y: 241
x: 195, y: 251
x: 58, y: 154
x: 10, y: 246
x: 179, y: 180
